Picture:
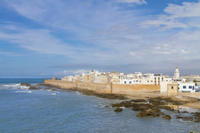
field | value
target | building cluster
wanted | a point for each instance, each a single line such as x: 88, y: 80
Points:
x: 185, y: 84
x: 95, y: 76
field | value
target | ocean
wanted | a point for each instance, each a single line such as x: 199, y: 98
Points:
x: 58, y: 111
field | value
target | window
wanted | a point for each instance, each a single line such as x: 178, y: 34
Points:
x: 190, y: 87
x: 184, y: 87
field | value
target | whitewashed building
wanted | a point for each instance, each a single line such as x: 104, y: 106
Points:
x: 149, y: 78
x: 186, y: 86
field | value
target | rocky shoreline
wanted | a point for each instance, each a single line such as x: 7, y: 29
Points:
x: 145, y: 107
x: 157, y: 107
x: 30, y: 87
x: 149, y: 106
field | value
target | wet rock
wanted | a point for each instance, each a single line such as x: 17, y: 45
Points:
x: 166, y: 107
x: 157, y: 101
x: 138, y: 100
x: 183, y: 112
x: 141, y: 107
x: 173, y: 101
x: 31, y: 87
x: 25, y: 84
x: 51, y: 89
x: 118, y: 109
x: 197, y: 117
x: 185, y: 118
x: 167, y: 117
x: 143, y: 114
x: 126, y: 104
x: 148, y: 113
x: 102, y: 95
x: 153, y: 107
x: 34, y: 88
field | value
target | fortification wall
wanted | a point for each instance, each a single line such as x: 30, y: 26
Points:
x: 61, y: 84
x: 103, y: 88
x: 131, y: 89
x: 97, y: 87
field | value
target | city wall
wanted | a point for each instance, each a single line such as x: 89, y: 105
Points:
x: 132, y: 89
x: 103, y: 88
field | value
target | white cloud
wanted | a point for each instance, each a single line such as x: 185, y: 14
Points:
x: 133, y: 1
x: 105, y: 34
x: 187, y: 9
x: 186, y: 15
x: 37, y: 40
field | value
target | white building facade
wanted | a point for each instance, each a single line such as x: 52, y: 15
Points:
x: 186, y: 86
x: 148, y: 79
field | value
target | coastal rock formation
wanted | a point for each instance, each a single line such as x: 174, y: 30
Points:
x: 152, y: 107
x: 30, y: 87
x: 118, y: 109
x: 167, y: 117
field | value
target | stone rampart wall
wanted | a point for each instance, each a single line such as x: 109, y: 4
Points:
x: 103, y: 88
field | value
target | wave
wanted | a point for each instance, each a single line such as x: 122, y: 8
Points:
x: 13, y: 86
x: 53, y: 94
x: 78, y: 93
x: 23, y: 91
x: 190, y: 110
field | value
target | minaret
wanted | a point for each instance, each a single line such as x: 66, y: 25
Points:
x: 176, y: 73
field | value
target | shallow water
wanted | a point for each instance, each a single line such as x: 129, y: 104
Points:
x: 39, y: 111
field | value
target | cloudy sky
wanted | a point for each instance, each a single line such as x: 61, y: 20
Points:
x: 41, y: 38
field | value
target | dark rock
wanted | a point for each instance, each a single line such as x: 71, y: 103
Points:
x: 138, y: 100
x: 185, y: 118
x: 25, y: 84
x: 102, y: 95
x: 183, y: 112
x: 157, y: 101
x: 126, y: 104
x: 152, y: 108
x: 34, y: 88
x: 51, y: 89
x: 166, y: 107
x: 118, y: 109
x: 31, y: 87
x: 197, y: 117
x: 148, y: 113
x: 167, y: 117
x: 141, y: 107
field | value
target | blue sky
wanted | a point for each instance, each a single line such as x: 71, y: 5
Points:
x: 41, y: 38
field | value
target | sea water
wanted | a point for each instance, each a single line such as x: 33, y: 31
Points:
x: 46, y: 111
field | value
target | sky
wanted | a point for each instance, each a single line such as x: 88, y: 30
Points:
x: 43, y: 38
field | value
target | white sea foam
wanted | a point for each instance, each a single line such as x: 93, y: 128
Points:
x: 14, y: 86
x: 23, y: 91
x: 11, y: 86
x: 191, y: 110
x: 53, y: 93
x: 78, y: 93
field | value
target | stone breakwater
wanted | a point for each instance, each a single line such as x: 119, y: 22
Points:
x: 105, y: 88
